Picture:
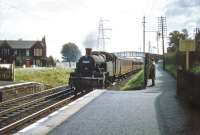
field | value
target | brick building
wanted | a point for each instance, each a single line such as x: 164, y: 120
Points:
x: 23, y: 52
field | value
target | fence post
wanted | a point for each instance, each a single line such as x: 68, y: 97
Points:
x: 146, y: 57
x: 1, y: 96
x: 178, y: 82
x: 13, y: 71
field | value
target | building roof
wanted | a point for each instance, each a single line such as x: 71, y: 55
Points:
x: 19, y: 44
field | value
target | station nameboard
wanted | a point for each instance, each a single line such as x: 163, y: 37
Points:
x: 186, y: 45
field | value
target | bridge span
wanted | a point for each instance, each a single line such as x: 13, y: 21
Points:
x: 129, y: 54
x: 134, y: 54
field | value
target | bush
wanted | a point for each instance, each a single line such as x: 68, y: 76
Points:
x: 195, y: 69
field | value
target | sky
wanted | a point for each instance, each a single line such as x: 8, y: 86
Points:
x: 63, y: 21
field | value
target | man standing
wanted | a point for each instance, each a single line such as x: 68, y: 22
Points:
x: 152, y: 71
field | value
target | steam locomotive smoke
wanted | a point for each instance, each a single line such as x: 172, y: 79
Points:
x: 90, y: 41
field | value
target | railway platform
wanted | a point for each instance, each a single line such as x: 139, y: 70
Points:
x: 4, y: 83
x: 153, y: 111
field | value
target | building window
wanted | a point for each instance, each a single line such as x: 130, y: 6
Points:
x: 37, y: 52
x: 27, y: 52
x: 16, y: 52
x: 19, y: 52
x: 5, y: 51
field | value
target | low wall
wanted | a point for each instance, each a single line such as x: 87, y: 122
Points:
x: 188, y: 86
x: 17, y: 90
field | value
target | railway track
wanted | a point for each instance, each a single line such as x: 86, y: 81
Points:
x: 17, y: 101
x: 17, y: 113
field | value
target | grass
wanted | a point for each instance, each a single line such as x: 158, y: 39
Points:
x: 171, y: 69
x: 50, y: 76
x: 195, y: 69
x: 136, y: 81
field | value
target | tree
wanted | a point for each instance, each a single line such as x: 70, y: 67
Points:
x: 51, y: 62
x: 70, y: 52
x: 185, y: 34
x: 175, y: 36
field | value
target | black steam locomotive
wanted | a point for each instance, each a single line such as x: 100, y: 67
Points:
x: 98, y: 69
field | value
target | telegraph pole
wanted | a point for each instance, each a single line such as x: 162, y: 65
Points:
x: 145, y: 58
x: 162, y: 26
x: 163, y: 44
x: 144, y: 34
x: 157, y: 38
x: 197, y: 30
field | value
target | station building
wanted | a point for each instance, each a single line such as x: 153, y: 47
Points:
x: 23, y: 52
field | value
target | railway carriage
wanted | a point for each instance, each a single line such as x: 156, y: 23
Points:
x: 99, y: 69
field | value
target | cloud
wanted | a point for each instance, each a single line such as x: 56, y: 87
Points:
x: 182, y: 7
x: 12, y: 8
x: 175, y: 10
x: 90, y: 40
x: 53, y: 6
x: 188, y: 3
x: 183, y: 14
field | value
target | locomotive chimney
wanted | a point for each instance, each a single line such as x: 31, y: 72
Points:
x: 88, y: 51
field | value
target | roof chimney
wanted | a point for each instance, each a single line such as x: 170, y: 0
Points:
x: 88, y: 51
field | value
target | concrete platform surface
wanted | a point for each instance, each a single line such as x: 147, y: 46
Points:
x: 114, y: 113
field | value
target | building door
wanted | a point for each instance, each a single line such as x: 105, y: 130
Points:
x: 28, y: 62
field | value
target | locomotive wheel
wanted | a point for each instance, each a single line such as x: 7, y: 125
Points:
x: 76, y: 88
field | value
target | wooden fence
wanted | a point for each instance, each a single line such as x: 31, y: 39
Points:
x: 6, y: 72
x: 188, y: 86
x: 178, y: 59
